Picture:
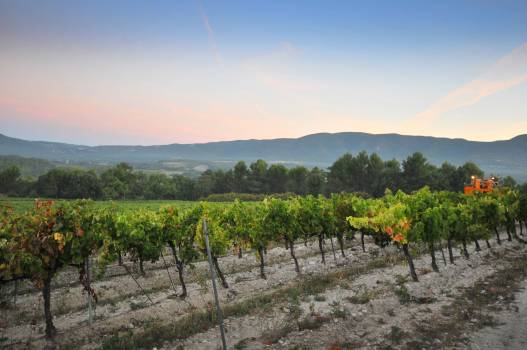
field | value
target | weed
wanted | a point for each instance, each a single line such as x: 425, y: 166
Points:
x: 361, y: 297
x: 319, y: 298
x: 138, y: 305
x: 272, y: 336
x: 242, y: 344
x: 396, y: 335
x: 61, y: 305
x: 312, y: 322
x: 294, y: 308
x: 337, y: 311
x: 299, y: 347
x: 400, y: 279
x: 402, y: 293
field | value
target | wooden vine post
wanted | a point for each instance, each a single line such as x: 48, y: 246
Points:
x: 213, y: 278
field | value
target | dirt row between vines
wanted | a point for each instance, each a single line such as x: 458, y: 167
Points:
x: 122, y: 304
x: 344, y: 300
x: 383, y: 309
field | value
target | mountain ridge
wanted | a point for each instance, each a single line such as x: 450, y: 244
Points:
x: 321, y: 149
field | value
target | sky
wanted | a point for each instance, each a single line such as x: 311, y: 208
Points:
x: 157, y: 72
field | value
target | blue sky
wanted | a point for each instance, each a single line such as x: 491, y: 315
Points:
x: 152, y: 72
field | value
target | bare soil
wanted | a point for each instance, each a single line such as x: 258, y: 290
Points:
x: 511, y: 333
x: 367, y: 301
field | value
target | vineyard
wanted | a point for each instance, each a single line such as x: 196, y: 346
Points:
x: 74, y: 271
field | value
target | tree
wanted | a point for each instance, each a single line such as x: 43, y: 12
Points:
x: 240, y: 177
x: 277, y: 178
x: 391, y: 175
x: 8, y: 179
x: 509, y: 182
x: 257, y: 177
x: 205, y: 184
x: 464, y: 174
x: 159, y: 186
x: 359, y: 173
x: 185, y: 188
x: 417, y: 172
x: 316, y: 181
x: 297, y: 180
x: 446, y: 180
x: 374, y: 174
x: 339, y: 179
x: 69, y: 183
x: 117, y: 182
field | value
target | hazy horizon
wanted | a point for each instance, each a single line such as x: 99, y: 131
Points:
x: 245, y: 139
x: 145, y: 73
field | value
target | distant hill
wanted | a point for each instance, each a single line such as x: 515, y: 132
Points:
x: 507, y: 157
x: 28, y: 166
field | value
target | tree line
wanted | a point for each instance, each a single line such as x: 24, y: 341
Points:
x: 365, y: 173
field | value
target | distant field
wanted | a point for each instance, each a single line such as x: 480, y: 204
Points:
x: 23, y: 204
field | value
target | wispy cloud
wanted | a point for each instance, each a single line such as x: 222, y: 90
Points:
x: 508, y: 71
x: 210, y: 32
x: 277, y: 70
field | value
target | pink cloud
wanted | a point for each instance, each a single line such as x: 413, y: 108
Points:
x: 157, y: 123
x: 507, y: 72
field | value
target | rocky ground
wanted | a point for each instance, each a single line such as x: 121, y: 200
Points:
x: 510, y: 332
x: 364, y: 300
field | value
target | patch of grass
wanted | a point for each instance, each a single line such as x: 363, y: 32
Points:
x: 319, y: 297
x: 337, y: 310
x: 400, y: 279
x: 122, y: 341
x: 363, y: 296
x: 346, y: 345
x: 272, y: 336
x: 242, y: 344
x: 294, y: 309
x: 155, y: 332
x: 138, y: 305
x: 299, y: 347
x: 312, y: 322
x: 61, y: 306
x: 402, y: 293
x: 240, y: 279
x: 396, y: 335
